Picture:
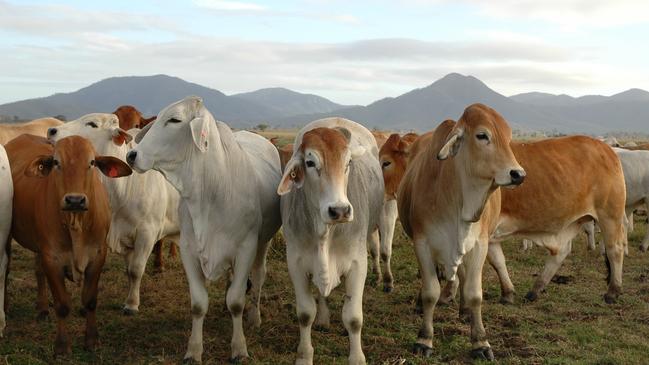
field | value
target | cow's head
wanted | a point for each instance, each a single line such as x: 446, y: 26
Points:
x: 321, y: 167
x: 72, y: 166
x: 180, y: 129
x: 480, y: 141
x: 102, y: 130
x: 129, y: 117
x: 394, y: 158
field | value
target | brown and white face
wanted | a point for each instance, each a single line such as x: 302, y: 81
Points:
x: 321, y: 167
x: 481, y: 140
x: 72, y: 166
x: 394, y: 159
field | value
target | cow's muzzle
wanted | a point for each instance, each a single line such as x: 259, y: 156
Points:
x: 517, y: 176
x: 75, y: 202
x: 340, y: 213
x: 130, y: 157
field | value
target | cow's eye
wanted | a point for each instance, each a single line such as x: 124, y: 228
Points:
x: 482, y: 136
x: 92, y: 163
x: 92, y: 124
x: 310, y: 164
x: 386, y: 164
x: 173, y: 120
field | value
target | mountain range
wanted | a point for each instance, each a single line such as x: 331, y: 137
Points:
x: 419, y: 109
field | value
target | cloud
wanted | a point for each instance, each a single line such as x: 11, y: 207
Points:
x: 229, y: 5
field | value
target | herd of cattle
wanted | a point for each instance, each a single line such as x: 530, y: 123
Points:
x: 69, y: 195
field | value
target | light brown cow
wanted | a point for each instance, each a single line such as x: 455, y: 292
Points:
x: 130, y: 118
x: 37, y: 127
x: 61, y: 212
x: 449, y: 201
x: 285, y: 152
x: 561, y: 193
x: 393, y: 156
x: 642, y: 147
x: 380, y: 137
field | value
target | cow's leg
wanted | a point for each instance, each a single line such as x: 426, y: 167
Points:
x: 199, y: 301
x: 89, y: 301
x: 497, y: 260
x: 552, y: 264
x: 645, y: 241
x: 527, y: 244
x: 386, y: 227
x: 173, y: 251
x: 589, y: 229
x: 614, y: 239
x: 322, y: 317
x: 137, y: 259
x: 448, y: 292
x: 4, y: 269
x: 430, y: 291
x: 353, y: 309
x: 257, y: 278
x: 306, y: 311
x: 374, y: 244
x: 158, y: 263
x: 472, y: 294
x: 42, y: 303
x: 62, y: 305
x: 236, y: 296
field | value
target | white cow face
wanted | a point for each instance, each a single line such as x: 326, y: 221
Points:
x: 101, y: 129
x: 321, y: 167
x: 180, y: 129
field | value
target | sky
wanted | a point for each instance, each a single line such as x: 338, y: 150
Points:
x: 350, y: 51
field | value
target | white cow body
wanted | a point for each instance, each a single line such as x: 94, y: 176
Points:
x: 144, y: 206
x: 635, y: 165
x: 6, y: 207
x: 327, y: 251
x: 228, y: 206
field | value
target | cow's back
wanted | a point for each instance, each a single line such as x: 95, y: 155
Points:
x: 567, y: 178
x: 635, y: 165
x: 37, y: 127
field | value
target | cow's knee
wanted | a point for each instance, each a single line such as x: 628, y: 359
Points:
x: 198, y: 310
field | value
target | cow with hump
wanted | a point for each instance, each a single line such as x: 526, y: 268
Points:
x: 561, y: 193
x: 448, y: 201
x: 61, y: 212
x: 144, y: 206
x: 228, y: 210
x: 332, y: 194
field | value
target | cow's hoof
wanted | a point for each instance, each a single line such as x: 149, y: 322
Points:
x: 43, y: 316
x: 237, y: 360
x: 531, y: 296
x: 643, y: 248
x: 190, y: 360
x: 482, y: 353
x: 610, y: 298
x: 321, y: 327
x: 129, y: 311
x: 507, y: 298
x: 83, y: 312
x: 388, y: 288
x: 422, y: 350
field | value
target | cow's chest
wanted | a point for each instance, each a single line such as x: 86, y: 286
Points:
x: 449, y: 243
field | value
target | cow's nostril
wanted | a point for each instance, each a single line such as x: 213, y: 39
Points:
x: 347, y: 211
x: 51, y: 132
x: 517, y: 176
x: 334, y: 213
x: 130, y: 157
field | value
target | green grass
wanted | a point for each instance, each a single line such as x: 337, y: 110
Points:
x: 568, y: 324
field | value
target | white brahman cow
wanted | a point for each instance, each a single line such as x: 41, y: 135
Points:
x: 332, y: 195
x: 6, y: 208
x: 229, y: 208
x: 144, y: 206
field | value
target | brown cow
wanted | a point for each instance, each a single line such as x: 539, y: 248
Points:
x: 449, y: 201
x: 130, y: 118
x: 392, y: 155
x: 380, y: 137
x: 285, y: 152
x: 37, y: 127
x: 61, y: 212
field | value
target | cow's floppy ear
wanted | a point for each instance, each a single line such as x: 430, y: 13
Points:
x: 293, y: 177
x: 112, y: 166
x: 142, y: 133
x: 452, y: 145
x: 120, y: 136
x: 145, y: 121
x: 40, y: 167
x: 200, y: 131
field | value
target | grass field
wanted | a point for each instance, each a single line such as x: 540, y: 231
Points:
x: 568, y: 324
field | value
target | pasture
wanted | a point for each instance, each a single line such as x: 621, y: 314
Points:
x: 568, y: 324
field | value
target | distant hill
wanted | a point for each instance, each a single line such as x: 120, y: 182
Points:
x: 152, y: 93
x: 419, y: 109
